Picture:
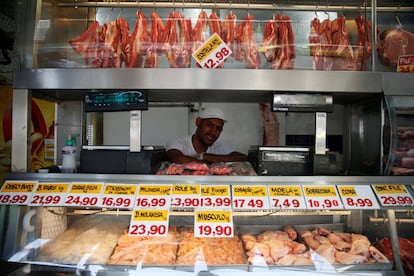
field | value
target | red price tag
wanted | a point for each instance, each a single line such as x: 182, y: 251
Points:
x: 405, y: 63
x: 250, y: 197
x: 186, y: 196
x: 17, y: 192
x: 118, y: 196
x: 213, y: 224
x: 322, y: 197
x: 215, y: 196
x: 358, y: 197
x: 84, y: 194
x: 149, y: 222
x: 393, y: 195
x: 212, y: 53
x: 286, y: 197
x: 49, y: 194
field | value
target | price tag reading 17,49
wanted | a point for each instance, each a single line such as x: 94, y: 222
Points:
x: 49, y: 194
x: 84, y: 194
x: 153, y: 196
x: 322, y: 197
x: 393, y: 195
x: 213, y: 224
x: 212, y: 53
x: 216, y: 196
x: 119, y: 196
x: 358, y: 197
x: 186, y: 196
x: 286, y: 197
x: 149, y: 222
x: 16, y: 192
x: 250, y: 197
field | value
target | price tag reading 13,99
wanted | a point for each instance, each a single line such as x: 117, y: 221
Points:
x: 186, y: 196
x: 286, y: 197
x: 212, y: 53
x: 393, y: 195
x: 213, y: 224
x: 84, y: 194
x: 358, y: 197
x: 152, y: 196
x: 149, y: 222
x: 120, y: 196
x: 322, y: 197
x: 216, y: 196
x: 16, y: 192
x: 250, y: 197
x: 49, y: 194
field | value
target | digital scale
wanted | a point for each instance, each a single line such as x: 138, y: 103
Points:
x: 116, y: 101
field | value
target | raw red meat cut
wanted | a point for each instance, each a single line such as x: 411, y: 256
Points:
x: 140, y: 41
x: 395, y: 42
x: 286, y: 52
x: 229, y: 30
x: 406, y: 251
x: 342, y: 49
x: 157, y: 33
x: 270, y: 125
x: 247, y: 49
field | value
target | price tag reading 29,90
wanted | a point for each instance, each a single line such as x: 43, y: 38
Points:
x: 212, y: 53
x: 16, y: 192
x: 149, y: 222
x: 250, y: 197
x: 393, y: 195
x: 286, y: 197
x: 84, y: 194
x: 322, y: 197
x: 119, y: 196
x: 49, y: 194
x: 213, y: 224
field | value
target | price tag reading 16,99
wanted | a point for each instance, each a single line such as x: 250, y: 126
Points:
x: 120, y: 196
x: 393, y: 195
x: 213, y: 224
x: 322, y: 197
x: 153, y: 196
x: 16, y: 192
x: 149, y: 222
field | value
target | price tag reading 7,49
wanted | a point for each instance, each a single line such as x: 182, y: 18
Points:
x: 393, y: 195
x: 250, y: 197
x: 212, y: 53
x: 118, y: 196
x: 16, y: 192
x: 322, y: 197
x: 286, y: 197
x: 84, y: 194
x: 153, y: 196
x: 213, y: 224
x: 358, y: 197
x: 49, y: 194
x: 149, y: 222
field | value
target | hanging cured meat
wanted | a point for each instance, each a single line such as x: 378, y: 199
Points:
x: 125, y: 40
x: 157, y: 33
x: 270, y: 40
x: 342, y: 49
x: 320, y: 44
x: 199, y: 31
x: 229, y: 30
x: 246, y: 44
x: 140, y: 41
x: 286, y: 52
x: 215, y: 25
x: 85, y: 42
x: 363, y: 48
x: 270, y: 125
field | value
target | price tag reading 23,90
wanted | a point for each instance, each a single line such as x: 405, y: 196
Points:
x: 286, y: 197
x: 250, y: 197
x: 16, y: 192
x: 149, y: 222
x: 49, y: 194
x: 211, y: 223
x: 322, y: 197
x: 393, y: 195
x: 212, y: 53
x: 84, y: 194
x: 119, y: 196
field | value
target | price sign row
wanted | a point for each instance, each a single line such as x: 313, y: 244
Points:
x: 166, y: 196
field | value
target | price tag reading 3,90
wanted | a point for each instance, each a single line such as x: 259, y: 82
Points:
x: 186, y: 196
x: 152, y: 196
x: 49, y: 194
x: 84, y: 194
x: 119, y: 196
x: 250, y: 197
x: 213, y: 224
x: 286, y: 197
x: 16, y: 192
x: 393, y: 195
x: 216, y: 196
x: 212, y: 53
x: 358, y: 197
x: 149, y: 222
x: 322, y: 197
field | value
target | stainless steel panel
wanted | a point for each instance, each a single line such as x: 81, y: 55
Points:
x: 398, y: 84
x: 320, y: 133
x: 135, y: 130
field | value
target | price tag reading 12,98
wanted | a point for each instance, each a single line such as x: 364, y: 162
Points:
x: 250, y: 197
x: 152, y: 196
x: 286, y: 197
x: 322, y: 197
x: 149, y: 222
x: 212, y: 53
x: 16, y: 192
x: 120, y: 196
x: 216, y: 196
x: 49, y: 194
x: 393, y: 195
x: 84, y: 194
x: 186, y: 196
x: 358, y: 197
x: 213, y: 224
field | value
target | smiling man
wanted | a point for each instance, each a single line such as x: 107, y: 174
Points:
x: 203, y: 146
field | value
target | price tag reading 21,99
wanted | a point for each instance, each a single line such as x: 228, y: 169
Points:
x: 212, y: 53
x: 49, y: 194
x: 149, y: 222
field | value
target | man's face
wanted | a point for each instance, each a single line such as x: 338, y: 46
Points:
x: 209, y: 130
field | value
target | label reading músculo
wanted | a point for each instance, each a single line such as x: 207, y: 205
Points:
x: 49, y: 194
x: 322, y: 197
x: 118, y: 195
x: 186, y: 196
x: 149, y: 222
x: 211, y: 223
x: 286, y: 197
x: 393, y: 195
x: 358, y: 197
x: 84, y: 194
x: 216, y: 196
x: 16, y: 192
x: 153, y: 196
x: 250, y: 197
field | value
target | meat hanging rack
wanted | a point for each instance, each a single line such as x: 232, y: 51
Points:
x: 295, y: 5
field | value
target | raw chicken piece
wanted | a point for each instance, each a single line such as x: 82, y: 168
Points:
x: 291, y: 232
x: 377, y: 255
x: 360, y: 245
x: 327, y: 252
x: 348, y: 258
x: 278, y: 249
x: 338, y: 242
x: 288, y: 259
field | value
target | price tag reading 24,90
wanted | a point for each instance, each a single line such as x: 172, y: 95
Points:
x: 149, y: 222
x: 286, y: 197
x: 152, y: 196
x: 213, y: 224
x: 84, y: 194
x: 393, y: 195
x: 49, y: 194
x: 16, y: 192
x: 212, y: 53
x: 250, y: 197
x: 322, y: 197
x: 120, y: 196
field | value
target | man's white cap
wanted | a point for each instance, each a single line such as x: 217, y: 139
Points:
x: 212, y: 113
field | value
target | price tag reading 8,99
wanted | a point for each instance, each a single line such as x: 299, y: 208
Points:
x: 322, y: 197
x: 49, y: 194
x: 212, y: 53
x: 358, y: 197
x: 153, y: 196
x: 286, y: 197
x: 393, y: 195
x: 84, y: 194
x: 215, y: 196
x: 186, y: 196
x: 250, y: 197
x: 149, y: 222
x: 16, y: 192
x: 213, y: 224
x: 120, y: 196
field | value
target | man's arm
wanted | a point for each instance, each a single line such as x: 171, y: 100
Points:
x: 235, y: 156
x: 176, y: 156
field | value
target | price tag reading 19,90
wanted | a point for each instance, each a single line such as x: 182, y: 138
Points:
x: 250, y: 197
x: 358, y: 197
x: 49, y: 194
x: 213, y: 224
x: 286, y: 197
x: 216, y: 196
x: 322, y: 197
x: 212, y: 53
x: 149, y: 222
x: 119, y: 196
x: 16, y: 192
x: 186, y: 196
x: 152, y: 196
x: 393, y: 195
x: 84, y: 194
